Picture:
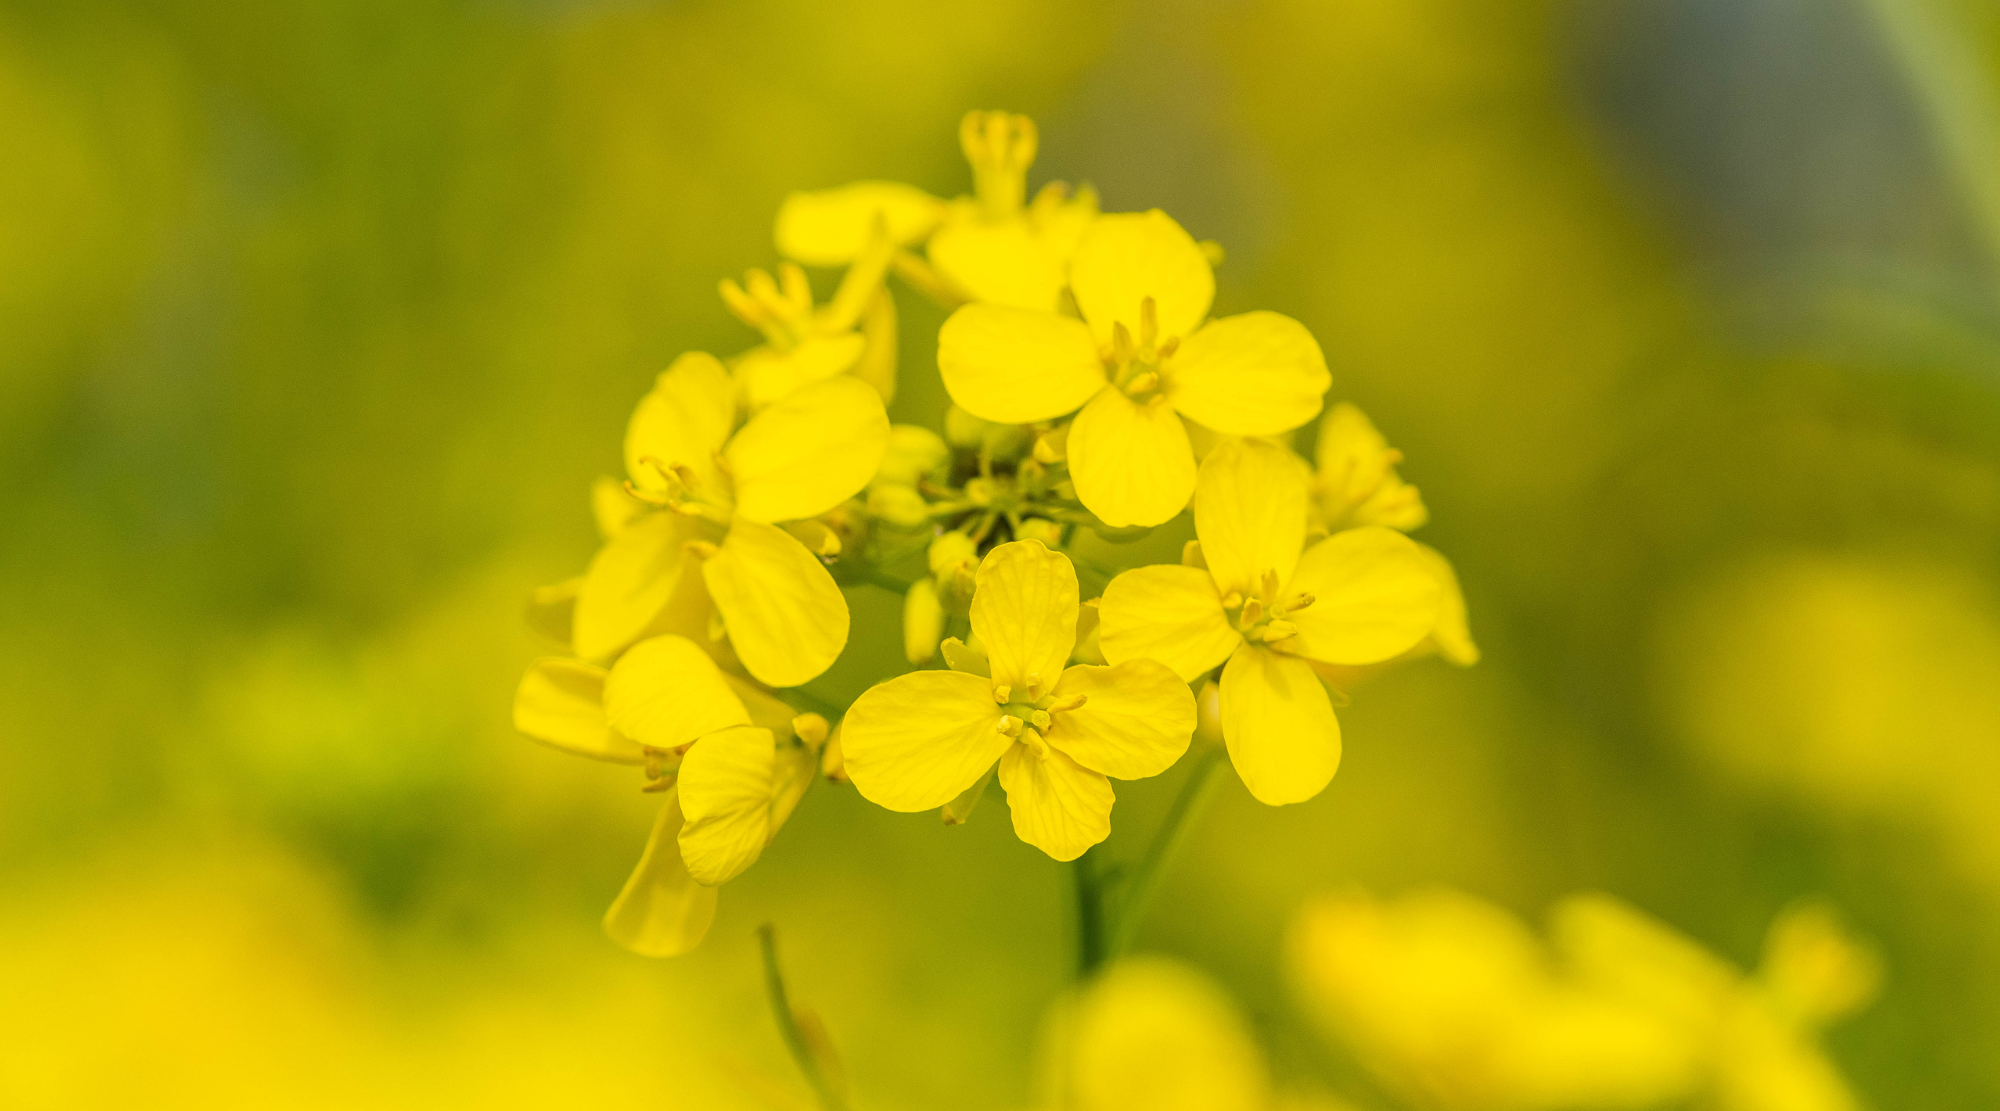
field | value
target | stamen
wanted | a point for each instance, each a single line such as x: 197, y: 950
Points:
x: 1279, y: 630
x: 1271, y: 586
x: 1003, y: 693
x: 1034, y: 686
x: 701, y: 549
x: 1301, y: 602
x: 1232, y: 599
x: 1040, y: 719
x: 1073, y: 702
x: 1141, y: 384
x: 1149, y: 324
x: 1121, y: 342
x: 1253, y: 612
x: 1009, y: 725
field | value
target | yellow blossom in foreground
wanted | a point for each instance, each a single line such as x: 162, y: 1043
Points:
x: 854, y: 333
x: 992, y: 246
x: 1266, y: 612
x: 1456, y: 1004
x: 1758, y: 1036
x: 738, y: 759
x: 1140, y: 359
x: 724, y: 489
x: 1151, y: 1034
x: 919, y: 741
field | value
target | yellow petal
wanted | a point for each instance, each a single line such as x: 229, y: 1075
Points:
x: 827, y: 227
x: 1129, y: 256
x: 768, y: 375
x: 784, y: 614
x: 1250, y: 513
x: 1257, y: 374
x: 919, y: 740
x: 809, y: 452
x: 1136, y: 724
x: 662, y: 912
x: 1154, y: 1035
x: 1000, y: 264
x: 1279, y: 726
x: 1059, y: 806
x: 631, y: 581
x: 1130, y: 460
x: 1166, y: 613
x: 1451, y: 634
x: 877, y: 365
x: 726, y: 790
x: 766, y: 710
x: 1017, y: 365
x: 560, y: 703
x: 684, y: 420
x: 665, y: 692
x: 1376, y: 597
x: 1024, y: 608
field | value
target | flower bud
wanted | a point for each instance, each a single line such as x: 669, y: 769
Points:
x: 898, y: 505
x: 923, y: 621
x: 915, y: 453
x: 1042, y: 529
x: 963, y: 429
x: 831, y: 764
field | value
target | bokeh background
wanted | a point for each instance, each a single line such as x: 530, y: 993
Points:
x: 317, y: 319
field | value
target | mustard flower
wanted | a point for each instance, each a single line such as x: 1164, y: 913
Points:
x: 724, y: 489
x: 1140, y: 359
x: 853, y: 333
x: 1355, y: 484
x: 1151, y: 1034
x: 732, y: 760
x: 919, y: 741
x: 993, y: 246
x: 1264, y: 612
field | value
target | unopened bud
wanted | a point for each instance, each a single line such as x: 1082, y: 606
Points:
x: 898, y: 505
x: 1052, y: 446
x: 914, y: 453
x: 810, y: 728
x: 923, y: 621
x: 962, y: 429
x: 1042, y: 529
x: 831, y: 764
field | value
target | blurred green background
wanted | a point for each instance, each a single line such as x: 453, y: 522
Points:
x: 317, y: 319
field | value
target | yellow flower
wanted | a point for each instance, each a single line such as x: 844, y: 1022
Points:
x: 990, y: 246
x: 1758, y: 1037
x: 1265, y: 612
x: 854, y: 333
x: 920, y: 740
x: 1355, y: 484
x: 1151, y: 1034
x: 795, y: 459
x: 1455, y: 1004
x: 739, y: 763
x: 1140, y: 358
x: 1356, y: 481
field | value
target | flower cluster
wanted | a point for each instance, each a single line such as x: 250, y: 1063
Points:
x: 1093, y: 393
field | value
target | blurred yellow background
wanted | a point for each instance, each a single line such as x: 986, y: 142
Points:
x: 318, y: 318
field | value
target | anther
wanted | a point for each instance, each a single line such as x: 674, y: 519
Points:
x: 1253, y: 612
x: 1271, y: 586
x: 1009, y: 725
x: 1121, y: 342
x: 1300, y: 602
x: 1279, y: 630
x: 1232, y: 599
x: 1142, y: 384
x: 1073, y: 702
x: 1034, y: 686
x: 1002, y: 693
x: 1149, y: 324
x: 701, y: 549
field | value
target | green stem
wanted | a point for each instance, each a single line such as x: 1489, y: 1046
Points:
x: 788, y: 1023
x: 1195, y: 790
x: 1090, y: 932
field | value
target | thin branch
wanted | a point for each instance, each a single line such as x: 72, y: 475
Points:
x: 788, y: 1024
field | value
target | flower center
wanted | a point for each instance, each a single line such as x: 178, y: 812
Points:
x: 1029, y: 712
x: 781, y: 309
x: 1260, y: 617
x: 1139, y: 367
x: 683, y: 491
